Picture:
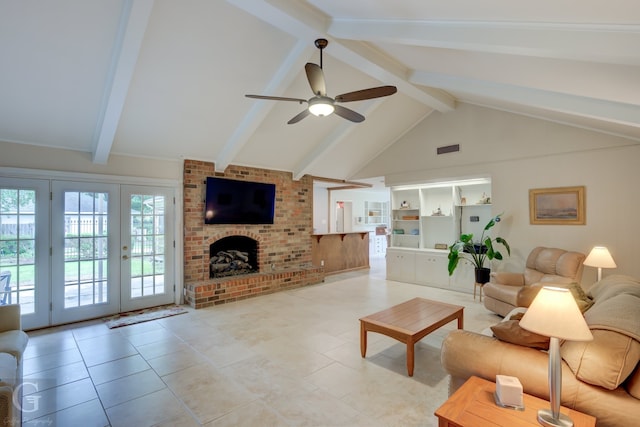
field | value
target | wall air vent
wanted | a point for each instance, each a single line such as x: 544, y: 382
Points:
x: 449, y: 149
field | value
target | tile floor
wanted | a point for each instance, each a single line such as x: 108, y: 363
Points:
x: 287, y: 359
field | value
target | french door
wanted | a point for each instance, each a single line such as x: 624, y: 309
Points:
x: 24, y: 248
x: 81, y: 250
x: 147, y: 247
x: 84, y: 242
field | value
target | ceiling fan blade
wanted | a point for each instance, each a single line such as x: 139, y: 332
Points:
x: 348, y: 114
x: 360, y: 95
x: 277, y: 98
x: 300, y: 116
x: 316, y: 79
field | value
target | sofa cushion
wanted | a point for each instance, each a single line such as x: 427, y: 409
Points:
x: 553, y: 265
x: 547, y: 259
x: 633, y: 383
x: 606, y: 361
x: 510, y: 331
x: 506, y: 293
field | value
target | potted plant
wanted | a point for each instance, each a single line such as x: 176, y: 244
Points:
x: 477, y: 252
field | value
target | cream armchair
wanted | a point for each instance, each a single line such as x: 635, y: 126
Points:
x: 13, y: 342
x: 506, y: 291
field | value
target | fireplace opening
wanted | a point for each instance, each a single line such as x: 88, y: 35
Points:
x: 233, y: 256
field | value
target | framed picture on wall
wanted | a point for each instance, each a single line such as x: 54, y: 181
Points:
x: 557, y: 206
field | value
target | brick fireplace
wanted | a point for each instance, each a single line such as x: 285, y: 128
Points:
x: 282, y: 257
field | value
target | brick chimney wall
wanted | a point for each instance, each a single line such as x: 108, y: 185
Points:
x: 284, y: 247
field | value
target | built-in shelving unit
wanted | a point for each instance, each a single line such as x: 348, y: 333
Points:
x: 425, y: 220
x: 376, y: 213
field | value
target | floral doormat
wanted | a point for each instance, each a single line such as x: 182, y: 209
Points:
x: 144, y: 315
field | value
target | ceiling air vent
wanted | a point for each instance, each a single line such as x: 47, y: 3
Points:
x: 449, y: 149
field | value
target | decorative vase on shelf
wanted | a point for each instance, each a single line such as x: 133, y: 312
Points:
x: 483, y: 275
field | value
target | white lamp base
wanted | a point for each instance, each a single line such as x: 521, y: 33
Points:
x: 545, y: 417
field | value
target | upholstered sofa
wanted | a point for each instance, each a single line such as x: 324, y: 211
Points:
x: 600, y: 377
x: 13, y: 342
x: 506, y: 291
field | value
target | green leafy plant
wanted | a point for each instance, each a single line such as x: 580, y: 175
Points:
x: 477, y: 253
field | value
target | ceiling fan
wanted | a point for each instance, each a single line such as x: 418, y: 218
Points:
x: 322, y: 105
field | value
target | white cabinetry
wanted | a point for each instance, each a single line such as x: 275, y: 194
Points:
x: 401, y: 265
x: 431, y: 268
x: 377, y: 244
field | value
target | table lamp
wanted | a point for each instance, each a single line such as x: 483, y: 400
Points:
x: 601, y: 258
x: 555, y: 314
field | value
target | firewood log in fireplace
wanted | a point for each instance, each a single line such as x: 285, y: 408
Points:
x: 229, y: 262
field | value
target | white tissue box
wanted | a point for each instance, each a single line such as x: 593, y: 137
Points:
x: 509, y: 390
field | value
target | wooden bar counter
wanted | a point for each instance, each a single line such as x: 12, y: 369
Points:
x: 340, y: 251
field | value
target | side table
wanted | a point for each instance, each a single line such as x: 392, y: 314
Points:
x: 473, y: 405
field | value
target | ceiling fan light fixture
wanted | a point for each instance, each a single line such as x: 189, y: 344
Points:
x: 321, y: 106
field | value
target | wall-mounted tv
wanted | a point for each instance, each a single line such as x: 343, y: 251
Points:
x: 230, y: 201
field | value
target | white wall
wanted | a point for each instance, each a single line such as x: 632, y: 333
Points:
x: 521, y: 153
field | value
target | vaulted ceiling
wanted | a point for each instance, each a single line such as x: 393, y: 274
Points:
x: 166, y: 79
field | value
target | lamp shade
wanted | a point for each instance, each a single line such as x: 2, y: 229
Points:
x: 600, y: 257
x: 554, y: 313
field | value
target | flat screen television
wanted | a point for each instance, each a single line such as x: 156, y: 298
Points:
x: 229, y: 201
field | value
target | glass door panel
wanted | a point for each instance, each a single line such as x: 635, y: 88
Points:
x: 147, y: 261
x: 24, y: 243
x: 84, y: 254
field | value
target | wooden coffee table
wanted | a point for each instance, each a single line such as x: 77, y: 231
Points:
x: 409, y: 322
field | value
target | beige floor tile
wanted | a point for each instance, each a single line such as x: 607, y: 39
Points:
x: 119, y: 368
x: 37, y: 404
x: 251, y: 415
x: 338, y: 380
x: 149, y: 410
x: 40, y: 345
x: 182, y: 420
x: 51, y: 361
x: 151, y: 336
x: 297, y: 360
x: 90, y: 330
x: 58, y: 376
x: 88, y: 414
x: 162, y: 348
x: 224, y: 352
x: 174, y: 362
x: 105, y: 348
x: 207, y: 392
x: 267, y: 379
x: 128, y: 388
x: 138, y: 328
x: 315, y: 408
